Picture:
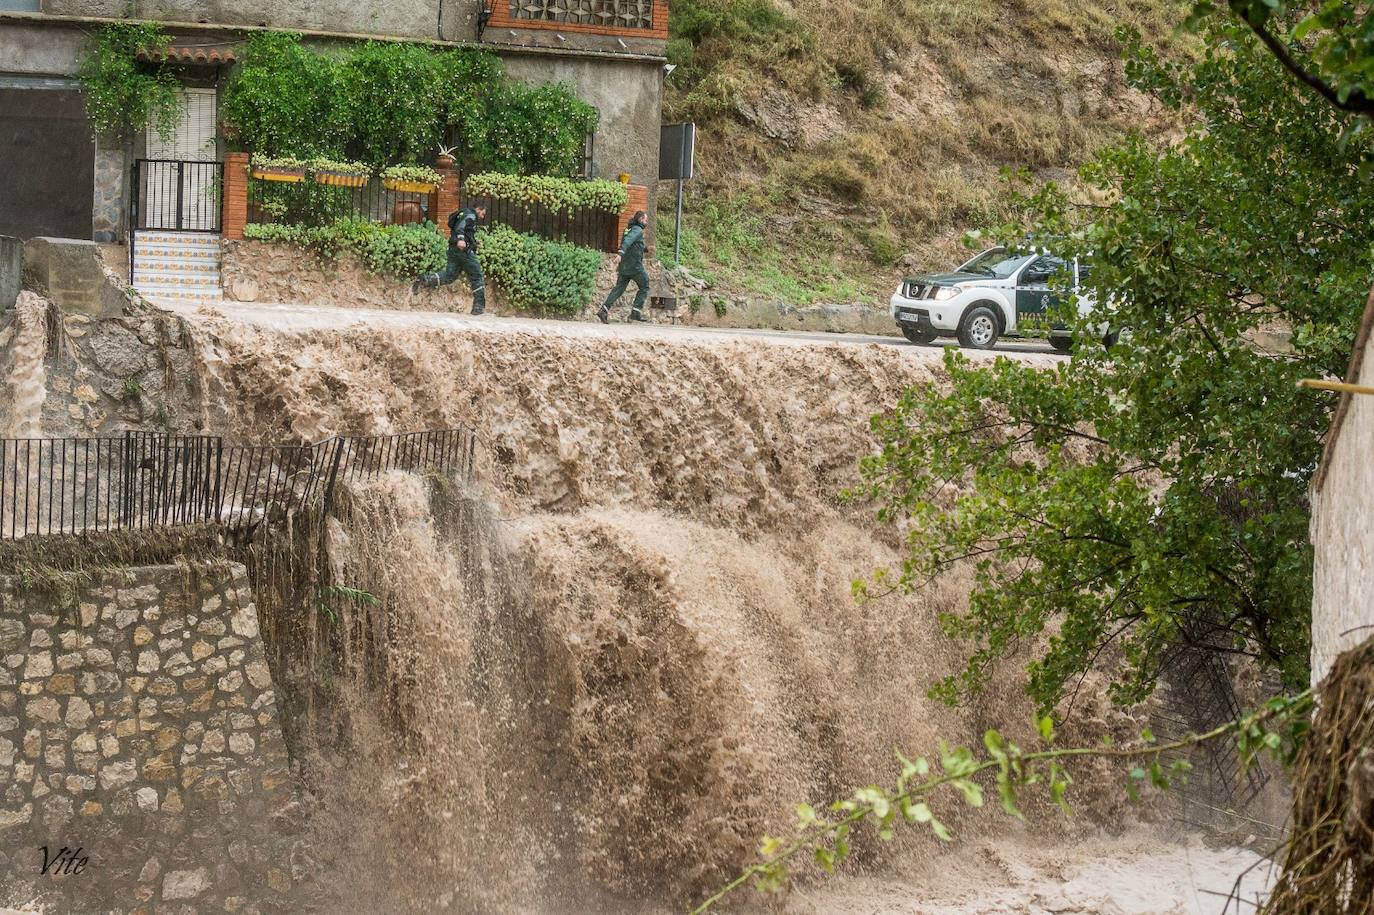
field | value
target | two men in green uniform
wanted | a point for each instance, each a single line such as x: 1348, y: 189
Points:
x: 462, y: 257
x: 630, y: 266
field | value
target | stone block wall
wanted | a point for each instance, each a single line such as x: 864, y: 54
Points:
x: 71, y: 273
x: 138, y: 723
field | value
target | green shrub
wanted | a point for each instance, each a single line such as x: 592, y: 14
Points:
x: 395, y: 104
x: 285, y: 100
x: 124, y: 94
x: 521, y: 129
x: 556, y: 194
x: 384, y: 102
x: 537, y: 274
x: 404, y: 251
x: 401, y: 251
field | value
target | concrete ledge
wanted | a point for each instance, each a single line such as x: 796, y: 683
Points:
x: 69, y: 272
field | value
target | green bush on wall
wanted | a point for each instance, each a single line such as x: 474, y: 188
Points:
x: 124, y: 94
x: 536, y: 274
x: 555, y: 194
x: 402, y: 251
x: 285, y: 100
x: 393, y: 102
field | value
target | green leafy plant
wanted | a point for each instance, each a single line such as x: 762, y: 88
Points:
x: 418, y: 174
x: 337, y: 166
x: 283, y: 162
x: 1126, y: 500
x: 386, y: 102
x: 284, y: 99
x: 124, y: 94
x: 536, y: 274
x: 402, y: 251
x: 961, y: 774
x: 555, y: 194
x: 395, y: 102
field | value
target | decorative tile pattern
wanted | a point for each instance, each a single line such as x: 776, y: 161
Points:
x: 623, y: 14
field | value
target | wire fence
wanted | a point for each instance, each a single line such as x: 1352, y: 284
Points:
x: 144, y: 480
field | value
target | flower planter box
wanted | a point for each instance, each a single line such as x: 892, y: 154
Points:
x: 279, y: 174
x: 410, y: 187
x: 341, y: 179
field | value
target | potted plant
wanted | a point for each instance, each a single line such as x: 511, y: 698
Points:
x: 277, y: 168
x: 445, y: 158
x: 341, y: 174
x: 415, y: 179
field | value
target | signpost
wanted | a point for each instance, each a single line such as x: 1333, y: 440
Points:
x: 677, y: 159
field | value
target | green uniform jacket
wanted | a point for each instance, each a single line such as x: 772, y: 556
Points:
x: 632, y: 251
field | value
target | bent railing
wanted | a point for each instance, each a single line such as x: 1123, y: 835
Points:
x: 144, y: 480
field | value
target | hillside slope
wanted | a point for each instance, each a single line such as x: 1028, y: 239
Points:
x: 840, y: 140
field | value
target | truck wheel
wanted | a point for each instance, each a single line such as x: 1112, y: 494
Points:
x: 1110, y: 338
x: 979, y: 329
x: 917, y: 336
x: 1062, y: 344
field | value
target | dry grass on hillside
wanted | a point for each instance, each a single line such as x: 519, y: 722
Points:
x: 837, y: 137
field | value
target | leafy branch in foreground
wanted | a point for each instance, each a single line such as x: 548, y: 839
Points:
x: 1279, y: 728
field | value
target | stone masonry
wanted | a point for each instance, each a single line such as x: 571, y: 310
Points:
x: 138, y: 722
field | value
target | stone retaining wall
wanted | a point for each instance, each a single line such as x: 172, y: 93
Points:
x: 138, y: 723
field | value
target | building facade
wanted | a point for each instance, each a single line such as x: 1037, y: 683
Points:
x: 60, y: 180
x: 1343, y: 518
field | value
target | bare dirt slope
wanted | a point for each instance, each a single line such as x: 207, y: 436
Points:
x: 838, y: 139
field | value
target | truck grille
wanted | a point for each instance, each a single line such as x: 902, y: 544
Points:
x: 916, y: 290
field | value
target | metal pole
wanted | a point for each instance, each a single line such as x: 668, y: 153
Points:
x: 677, y: 230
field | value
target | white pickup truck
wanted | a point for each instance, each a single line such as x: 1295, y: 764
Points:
x: 998, y: 293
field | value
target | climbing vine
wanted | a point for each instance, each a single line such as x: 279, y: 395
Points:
x: 125, y: 94
x: 383, y: 103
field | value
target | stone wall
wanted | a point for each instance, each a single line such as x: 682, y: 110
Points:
x: 138, y: 722
x: 1342, y: 535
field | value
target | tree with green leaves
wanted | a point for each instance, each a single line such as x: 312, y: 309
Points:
x: 1126, y: 501
x: 1335, y: 45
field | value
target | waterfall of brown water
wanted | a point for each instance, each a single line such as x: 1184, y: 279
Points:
x: 600, y: 711
x: 592, y: 683
x: 23, y: 374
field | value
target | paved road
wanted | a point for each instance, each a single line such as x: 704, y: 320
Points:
x: 290, y: 316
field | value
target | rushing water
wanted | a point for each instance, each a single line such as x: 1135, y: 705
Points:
x: 593, y: 679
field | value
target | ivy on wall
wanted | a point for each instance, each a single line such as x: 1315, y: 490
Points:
x: 382, y: 103
x: 123, y: 93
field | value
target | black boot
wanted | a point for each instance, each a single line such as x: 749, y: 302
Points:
x: 603, y: 315
x: 479, y: 302
x: 636, y: 316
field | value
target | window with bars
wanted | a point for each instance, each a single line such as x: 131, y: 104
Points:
x: 612, y: 14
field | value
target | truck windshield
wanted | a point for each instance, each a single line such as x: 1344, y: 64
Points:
x: 997, y: 263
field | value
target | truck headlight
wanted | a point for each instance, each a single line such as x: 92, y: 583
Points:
x: 947, y: 292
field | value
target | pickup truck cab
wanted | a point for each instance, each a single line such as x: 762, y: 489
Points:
x: 998, y: 293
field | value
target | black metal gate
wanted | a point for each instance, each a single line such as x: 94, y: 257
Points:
x: 174, y: 195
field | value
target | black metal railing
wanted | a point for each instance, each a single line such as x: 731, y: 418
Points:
x: 142, y: 480
x: 586, y: 226
x: 176, y: 196
x: 309, y: 203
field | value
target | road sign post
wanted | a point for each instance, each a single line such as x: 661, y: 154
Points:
x: 677, y: 159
